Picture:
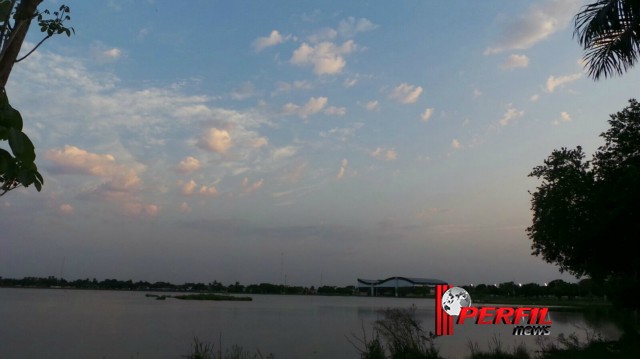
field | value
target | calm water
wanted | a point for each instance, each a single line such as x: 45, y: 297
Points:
x: 41, y: 323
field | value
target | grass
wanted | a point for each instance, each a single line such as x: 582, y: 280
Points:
x: 398, y: 335
x: 208, y: 351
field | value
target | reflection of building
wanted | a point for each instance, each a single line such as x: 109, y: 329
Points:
x: 397, y: 286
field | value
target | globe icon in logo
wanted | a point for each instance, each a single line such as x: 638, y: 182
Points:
x: 454, y: 299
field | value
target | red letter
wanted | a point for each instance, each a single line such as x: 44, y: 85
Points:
x: 542, y: 316
x: 533, y: 316
x: 484, y: 313
x: 520, y: 314
x: 504, y: 315
x: 467, y: 312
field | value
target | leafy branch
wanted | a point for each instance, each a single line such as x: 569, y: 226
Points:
x: 18, y: 168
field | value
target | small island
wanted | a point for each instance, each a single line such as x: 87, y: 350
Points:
x: 201, y: 296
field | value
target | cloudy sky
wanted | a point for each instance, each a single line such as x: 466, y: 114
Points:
x: 322, y: 141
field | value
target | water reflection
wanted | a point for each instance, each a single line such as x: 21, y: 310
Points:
x: 82, y: 324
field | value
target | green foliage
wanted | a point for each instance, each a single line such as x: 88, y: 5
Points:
x: 18, y: 169
x: 56, y: 25
x: 585, y: 213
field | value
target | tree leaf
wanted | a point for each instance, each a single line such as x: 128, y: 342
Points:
x: 9, y: 116
x: 4, y: 133
x: 5, y: 161
x: 38, y: 185
x: 5, y: 9
x: 21, y: 146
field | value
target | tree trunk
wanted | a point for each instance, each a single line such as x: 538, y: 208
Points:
x: 24, y: 14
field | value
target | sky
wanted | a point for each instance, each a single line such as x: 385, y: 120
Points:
x: 297, y: 142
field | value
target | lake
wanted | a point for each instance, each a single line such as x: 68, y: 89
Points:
x: 57, y: 323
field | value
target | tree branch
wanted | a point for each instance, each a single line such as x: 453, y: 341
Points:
x: 34, y: 49
x: 24, y: 14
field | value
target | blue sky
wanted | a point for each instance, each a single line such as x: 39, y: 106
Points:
x: 325, y: 141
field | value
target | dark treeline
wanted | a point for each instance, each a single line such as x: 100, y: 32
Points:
x: 214, y: 287
x: 559, y: 289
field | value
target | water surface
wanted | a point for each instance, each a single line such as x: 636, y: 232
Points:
x: 57, y: 324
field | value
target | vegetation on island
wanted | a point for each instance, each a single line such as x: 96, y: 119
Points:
x: 210, y: 296
x: 585, y: 291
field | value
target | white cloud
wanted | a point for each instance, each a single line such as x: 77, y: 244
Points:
x: 184, y: 208
x: 259, y: 142
x: 565, y: 117
x: 210, y: 190
x: 66, y: 208
x: 119, y: 184
x: 343, y: 168
x: 188, y: 165
x: 273, y: 39
x: 139, y: 209
x: 426, y: 115
x: 191, y: 188
x: 131, y: 121
x: 216, y: 140
x: 326, y: 57
x: 323, y: 35
x: 372, y: 106
x: 554, y: 82
x: 336, y: 111
x: 244, y: 91
x: 350, y: 26
x: 382, y: 153
x: 515, y: 61
x: 284, y: 87
x: 538, y: 22
x: 313, y: 106
x: 72, y: 159
x: 342, y: 133
x: 105, y: 54
x: 455, y: 144
x: 534, y: 98
x: 251, y: 187
x: 143, y: 33
x: 406, y: 93
x: 350, y: 82
x: 511, y: 114
x: 112, y: 53
x: 283, y: 152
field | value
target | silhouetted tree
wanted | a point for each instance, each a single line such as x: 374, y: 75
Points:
x: 609, y: 31
x: 586, y: 214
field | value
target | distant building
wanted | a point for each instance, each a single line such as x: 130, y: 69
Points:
x: 397, y: 286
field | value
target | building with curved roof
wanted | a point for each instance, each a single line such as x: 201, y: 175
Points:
x: 396, y: 284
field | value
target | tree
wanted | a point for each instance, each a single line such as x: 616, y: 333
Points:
x: 586, y: 214
x: 609, y: 31
x: 18, y: 168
